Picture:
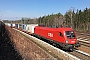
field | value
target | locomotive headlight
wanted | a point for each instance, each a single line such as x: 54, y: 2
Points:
x: 66, y: 41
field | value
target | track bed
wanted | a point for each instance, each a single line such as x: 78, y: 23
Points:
x: 27, y: 49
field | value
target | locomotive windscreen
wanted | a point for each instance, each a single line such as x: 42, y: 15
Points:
x: 70, y: 34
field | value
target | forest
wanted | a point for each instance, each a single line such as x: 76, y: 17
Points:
x: 79, y: 20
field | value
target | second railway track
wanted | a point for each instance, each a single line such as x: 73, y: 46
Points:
x: 81, y: 55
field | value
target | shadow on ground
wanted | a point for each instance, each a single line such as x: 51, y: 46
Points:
x: 7, y: 50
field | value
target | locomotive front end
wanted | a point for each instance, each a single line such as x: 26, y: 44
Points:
x: 71, y: 40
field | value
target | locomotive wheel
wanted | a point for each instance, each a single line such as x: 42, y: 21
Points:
x: 72, y: 49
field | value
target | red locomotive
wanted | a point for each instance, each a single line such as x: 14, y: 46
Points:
x: 64, y: 37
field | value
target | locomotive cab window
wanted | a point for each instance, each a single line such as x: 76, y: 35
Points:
x: 70, y: 34
x: 60, y: 34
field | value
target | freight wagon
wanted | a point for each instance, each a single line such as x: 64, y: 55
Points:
x: 30, y: 28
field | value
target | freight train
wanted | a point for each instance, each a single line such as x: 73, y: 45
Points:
x: 63, y: 37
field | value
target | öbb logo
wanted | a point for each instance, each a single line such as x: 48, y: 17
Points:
x: 50, y: 34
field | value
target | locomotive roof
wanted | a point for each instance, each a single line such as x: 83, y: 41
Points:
x: 56, y: 29
x: 66, y: 29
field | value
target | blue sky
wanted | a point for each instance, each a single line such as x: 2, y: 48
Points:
x: 16, y: 9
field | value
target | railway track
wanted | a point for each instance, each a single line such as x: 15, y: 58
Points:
x: 80, y: 54
x: 84, y: 39
x: 85, y: 43
x: 83, y: 35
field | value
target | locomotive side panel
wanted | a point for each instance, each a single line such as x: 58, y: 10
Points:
x: 50, y: 33
x: 65, y: 37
